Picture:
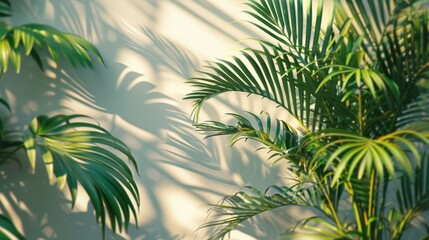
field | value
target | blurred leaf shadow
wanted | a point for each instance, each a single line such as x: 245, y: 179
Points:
x: 162, y: 52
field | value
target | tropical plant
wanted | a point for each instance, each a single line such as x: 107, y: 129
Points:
x: 74, y: 150
x: 354, y: 83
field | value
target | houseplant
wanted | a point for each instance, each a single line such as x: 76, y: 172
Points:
x: 74, y: 149
x: 354, y: 82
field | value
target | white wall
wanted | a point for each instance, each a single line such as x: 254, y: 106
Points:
x: 150, y: 47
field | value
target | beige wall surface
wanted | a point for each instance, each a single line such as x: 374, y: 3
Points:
x: 150, y: 48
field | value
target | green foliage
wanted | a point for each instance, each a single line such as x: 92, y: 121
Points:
x: 5, y: 8
x: 355, y: 80
x: 280, y: 140
x: 250, y: 202
x: 8, y: 229
x: 73, y: 150
x: 76, y: 152
x: 35, y: 37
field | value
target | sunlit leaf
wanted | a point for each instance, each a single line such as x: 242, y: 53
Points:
x: 80, y: 152
x: 33, y: 38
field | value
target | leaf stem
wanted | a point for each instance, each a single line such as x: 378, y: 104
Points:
x: 331, y: 206
x: 371, y: 206
x: 356, y: 211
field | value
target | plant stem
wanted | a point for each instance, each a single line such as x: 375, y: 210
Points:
x: 331, y: 206
x: 399, y: 230
x: 356, y: 211
x: 371, y: 206
x: 382, y: 204
x: 360, y: 115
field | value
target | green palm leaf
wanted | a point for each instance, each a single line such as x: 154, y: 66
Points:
x: 10, y: 141
x: 291, y: 24
x: 7, y: 229
x: 280, y: 139
x: 79, y: 152
x: 9, y: 144
x: 5, y: 8
x: 415, y: 115
x: 259, y: 74
x: 248, y: 203
x: 353, y: 155
x: 33, y: 38
x: 409, y: 70
x: 282, y: 74
x: 318, y: 228
x: 371, y: 18
x: 412, y: 197
x: 409, y: 32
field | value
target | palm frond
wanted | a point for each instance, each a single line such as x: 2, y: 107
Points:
x: 265, y: 74
x: 9, y: 145
x: 8, y: 229
x: 5, y: 8
x: 294, y: 24
x: 10, y: 141
x: 318, y: 228
x: 415, y: 115
x: 363, y: 78
x: 283, y: 73
x: 410, y: 33
x: 33, y: 38
x: 281, y: 139
x: 371, y: 19
x: 405, y: 59
x: 80, y: 152
x: 354, y: 155
x: 412, y: 197
x: 248, y: 203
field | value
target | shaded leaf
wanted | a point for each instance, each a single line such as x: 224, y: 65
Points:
x: 8, y: 229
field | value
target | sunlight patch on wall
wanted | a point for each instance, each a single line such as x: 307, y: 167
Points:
x: 183, y: 211
x: 135, y: 62
x: 209, y: 36
x: 30, y: 107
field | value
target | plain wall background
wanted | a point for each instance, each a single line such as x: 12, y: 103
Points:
x: 150, y: 48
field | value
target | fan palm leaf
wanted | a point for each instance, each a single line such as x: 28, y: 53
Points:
x: 353, y: 155
x: 80, y: 152
x: 279, y: 138
x: 33, y: 38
